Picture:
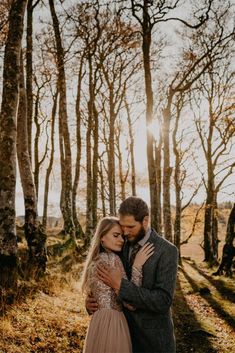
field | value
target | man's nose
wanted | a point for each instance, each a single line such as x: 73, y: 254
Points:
x: 125, y: 230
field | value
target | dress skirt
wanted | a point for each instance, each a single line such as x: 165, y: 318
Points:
x: 108, y: 332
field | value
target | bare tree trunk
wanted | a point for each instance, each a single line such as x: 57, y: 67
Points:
x: 230, y: 233
x: 167, y: 171
x: 147, y: 28
x: 29, y: 73
x: 210, y: 227
x: 111, y: 157
x: 95, y: 166
x: 122, y: 176
x: 66, y: 166
x: 10, y: 94
x: 210, y: 218
x: 178, y: 205
x: 36, y: 143
x: 133, y: 181
x: 102, y: 187
x: 49, y: 168
x: 89, y: 219
x: 229, y: 248
x: 78, y: 228
x: 158, y: 159
x: 36, y: 240
x: 37, y: 161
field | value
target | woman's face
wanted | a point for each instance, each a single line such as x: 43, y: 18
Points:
x: 113, y: 240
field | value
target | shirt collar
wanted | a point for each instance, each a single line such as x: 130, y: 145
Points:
x: 145, y: 238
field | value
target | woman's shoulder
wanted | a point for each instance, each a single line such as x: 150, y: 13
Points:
x: 108, y: 257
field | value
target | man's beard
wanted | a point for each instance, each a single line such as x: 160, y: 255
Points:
x: 139, y: 236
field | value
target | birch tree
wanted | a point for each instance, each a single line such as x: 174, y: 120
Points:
x: 10, y: 96
x: 64, y: 135
x: 36, y: 239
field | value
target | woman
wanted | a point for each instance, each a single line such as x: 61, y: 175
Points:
x: 108, y: 330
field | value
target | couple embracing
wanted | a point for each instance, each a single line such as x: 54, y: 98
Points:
x: 129, y: 278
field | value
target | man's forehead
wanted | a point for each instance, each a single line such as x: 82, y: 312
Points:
x: 127, y: 220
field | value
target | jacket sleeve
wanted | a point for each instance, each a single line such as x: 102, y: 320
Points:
x: 159, y: 298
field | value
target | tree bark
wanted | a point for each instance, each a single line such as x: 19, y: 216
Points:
x: 78, y: 228
x: 111, y: 155
x: 178, y: 205
x: 66, y: 159
x: 167, y: 171
x: 95, y: 166
x: 133, y: 178
x: 102, y: 187
x: 122, y: 176
x: 158, y: 159
x: 146, y: 45
x: 29, y: 74
x: 229, y: 248
x: 36, y: 142
x: 89, y: 197
x: 10, y: 95
x: 36, y: 239
x: 49, y: 168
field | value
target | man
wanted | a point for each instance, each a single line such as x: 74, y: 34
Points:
x: 151, y: 325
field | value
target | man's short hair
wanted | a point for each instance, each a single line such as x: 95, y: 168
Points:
x: 134, y: 206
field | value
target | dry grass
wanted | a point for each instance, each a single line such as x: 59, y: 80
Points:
x: 52, y: 319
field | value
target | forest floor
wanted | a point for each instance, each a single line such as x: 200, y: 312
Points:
x: 51, y: 318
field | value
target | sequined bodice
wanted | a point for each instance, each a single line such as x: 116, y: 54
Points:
x: 104, y: 295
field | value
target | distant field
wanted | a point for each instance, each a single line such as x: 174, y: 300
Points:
x: 193, y: 249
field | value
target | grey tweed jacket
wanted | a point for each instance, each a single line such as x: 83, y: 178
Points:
x: 151, y: 326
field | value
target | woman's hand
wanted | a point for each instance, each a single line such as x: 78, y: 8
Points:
x: 143, y: 255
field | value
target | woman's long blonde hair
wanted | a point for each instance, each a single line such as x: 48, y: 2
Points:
x: 104, y: 226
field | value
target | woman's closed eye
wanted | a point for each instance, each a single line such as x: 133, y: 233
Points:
x: 116, y: 235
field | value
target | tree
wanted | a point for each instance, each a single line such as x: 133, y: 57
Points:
x: 39, y: 121
x: 79, y: 231
x: 118, y: 61
x: 29, y: 70
x: 123, y: 174
x: 8, y: 243
x: 181, y: 149
x: 36, y: 239
x: 149, y: 14
x: 64, y: 136
x: 51, y: 160
x: 130, y: 129
x: 197, y: 61
x: 229, y: 248
x: 216, y: 134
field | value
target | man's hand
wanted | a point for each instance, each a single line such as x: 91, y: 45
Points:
x: 112, y: 277
x: 91, y: 304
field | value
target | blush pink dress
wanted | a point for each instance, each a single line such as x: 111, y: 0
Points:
x: 108, y: 330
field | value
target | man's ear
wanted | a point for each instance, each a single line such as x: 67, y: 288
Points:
x: 146, y: 222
